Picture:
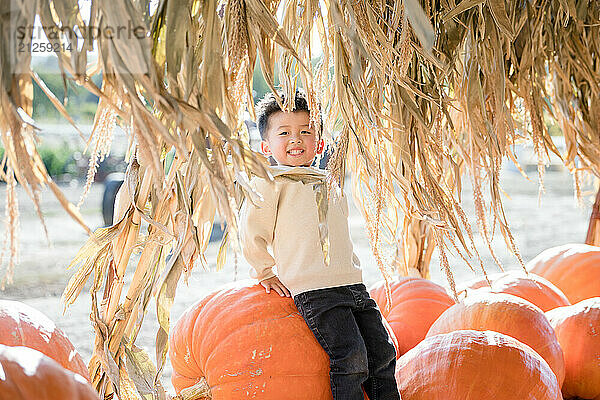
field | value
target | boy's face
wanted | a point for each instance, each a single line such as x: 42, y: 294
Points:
x: 290, y: 140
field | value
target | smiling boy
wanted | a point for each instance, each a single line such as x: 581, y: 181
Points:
x: 306, y: 229
x: 291, y: 140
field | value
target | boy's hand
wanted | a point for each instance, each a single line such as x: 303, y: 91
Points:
x: 275, y: 284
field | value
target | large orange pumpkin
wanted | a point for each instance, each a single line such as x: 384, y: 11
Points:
x: 477, y: 283
x: 530, y: 287
x: 22, y: 325
x: 246, y: 343
x: 578, y: 330
x: 416, y: 303
x: 27, y: 374
x: 474, y: 365
x: 509, y: 315
x: 573, y: 268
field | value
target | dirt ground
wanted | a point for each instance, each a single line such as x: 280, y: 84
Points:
x: 42, y: 275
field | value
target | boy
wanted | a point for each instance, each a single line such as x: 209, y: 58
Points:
x: 307, y: 230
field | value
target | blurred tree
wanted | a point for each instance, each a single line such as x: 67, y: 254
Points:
x: 81, y: 104
x: 259, y: 85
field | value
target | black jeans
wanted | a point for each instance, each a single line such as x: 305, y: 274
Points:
x: 348, y: 325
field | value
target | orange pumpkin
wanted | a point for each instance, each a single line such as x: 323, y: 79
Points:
x: 509, y: 315
x: 530, y: 287
x: 246, y: 343
x: 573, y: 268
x: 473, y: 365
x: 578, y: 330
x: 478, y: 283
x: 416, y: 303
x: 22, y: 325
x: 27, y: 374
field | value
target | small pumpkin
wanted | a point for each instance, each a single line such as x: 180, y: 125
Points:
x: 577, y: 328
x: 240, y: 342
x: 416, y: 303
x: 474, y: 365
x: 27, y: 374
x: 530, y: 287
x: 509, y: 315
x: 573, y: 268
x: 22, y: 325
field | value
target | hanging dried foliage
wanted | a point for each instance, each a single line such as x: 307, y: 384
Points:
x: 415, y: 92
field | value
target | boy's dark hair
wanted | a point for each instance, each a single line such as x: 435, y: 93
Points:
x: 268, y: 105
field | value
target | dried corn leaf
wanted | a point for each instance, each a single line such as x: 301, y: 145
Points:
x: 141, y: 371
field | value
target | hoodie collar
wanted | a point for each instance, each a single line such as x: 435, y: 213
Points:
x: 279, y: 170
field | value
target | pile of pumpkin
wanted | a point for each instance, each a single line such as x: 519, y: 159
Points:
x: 37, y: 360
x: 515, y: 335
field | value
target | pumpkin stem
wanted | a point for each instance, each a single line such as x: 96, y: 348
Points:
x: 199, y: 391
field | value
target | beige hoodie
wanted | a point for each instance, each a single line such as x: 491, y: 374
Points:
x: 310, y: 251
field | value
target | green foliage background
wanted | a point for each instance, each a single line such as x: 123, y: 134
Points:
x: 81, y: 104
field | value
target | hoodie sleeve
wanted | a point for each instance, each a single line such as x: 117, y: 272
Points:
x: 257, y: 224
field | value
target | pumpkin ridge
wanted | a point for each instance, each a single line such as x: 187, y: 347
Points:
x: 510, y: 315
x: 577, y: 328
x: 205, y: 311
x: 223, y: 339
x: 466, y: 361
x: 215, y: 352
x: 570, y: 268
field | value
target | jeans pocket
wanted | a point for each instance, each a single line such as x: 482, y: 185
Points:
x: 302, y: 305
x: 370, y: 303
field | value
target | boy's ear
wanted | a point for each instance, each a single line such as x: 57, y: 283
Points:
x: 265, y: 148
x: 320, y: 146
